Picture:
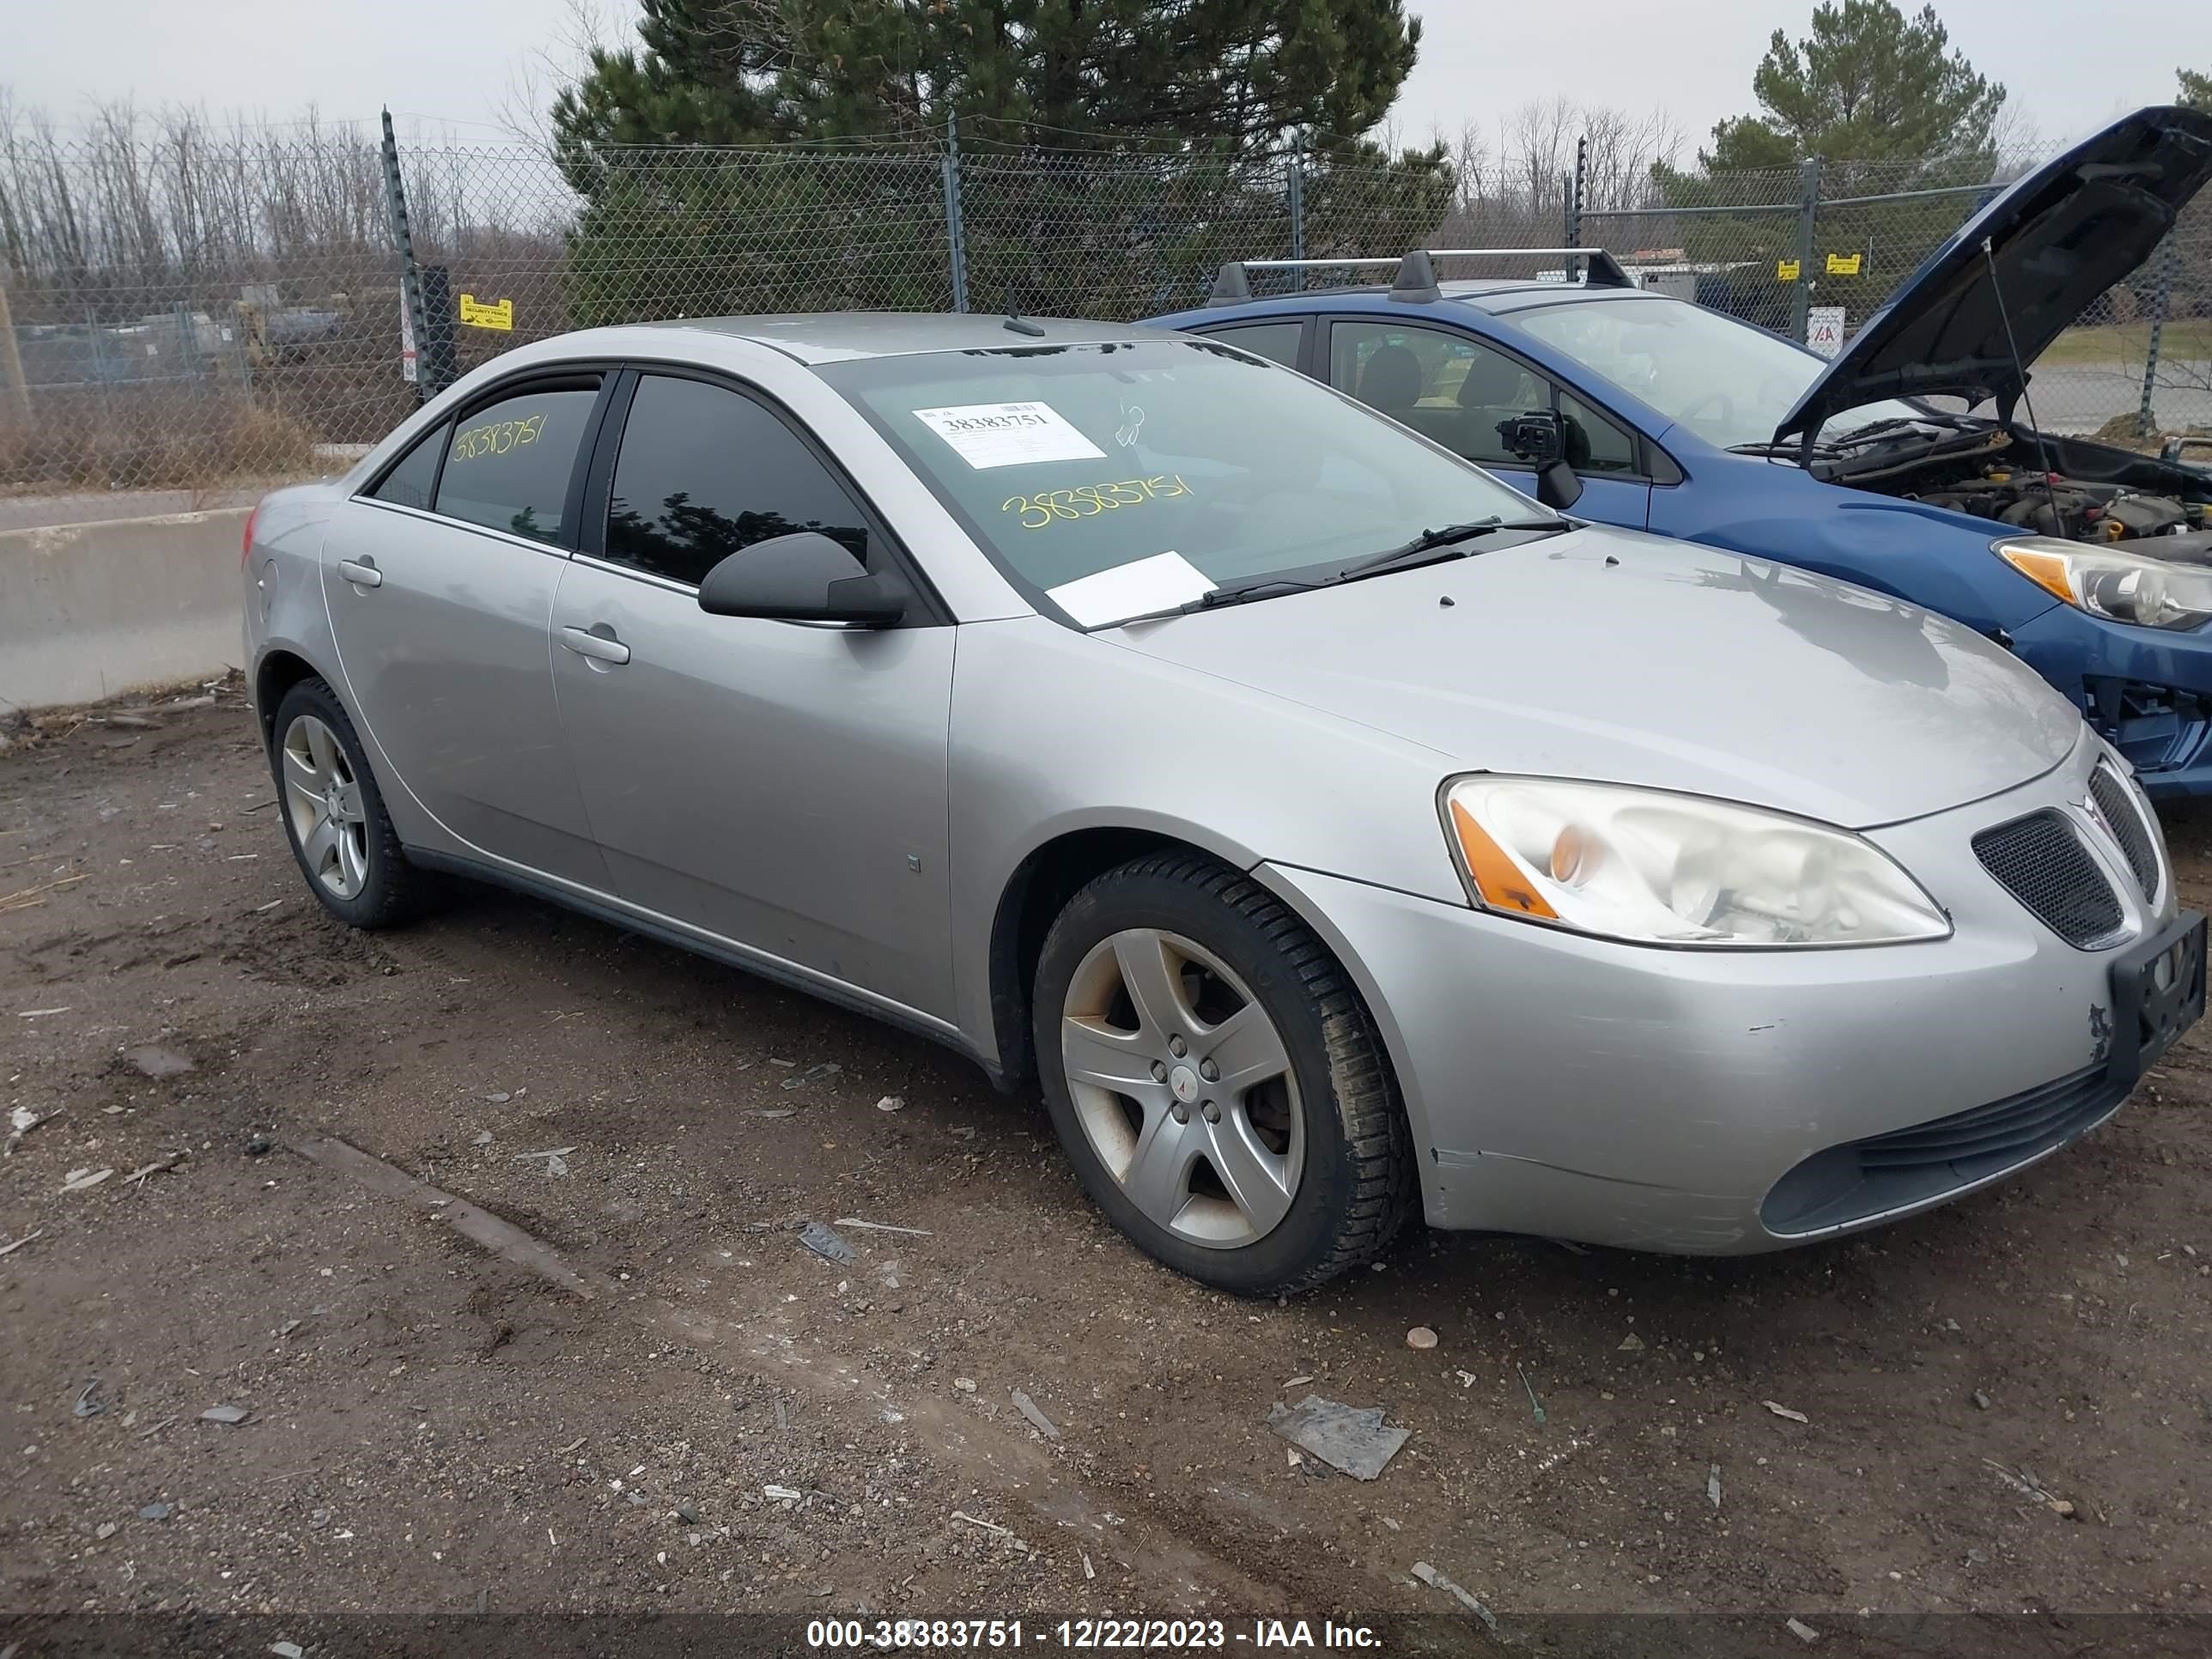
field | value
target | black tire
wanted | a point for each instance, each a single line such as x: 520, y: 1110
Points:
x: 1356, y: 1188
x: 395, y: 890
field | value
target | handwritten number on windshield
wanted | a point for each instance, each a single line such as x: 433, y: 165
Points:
x: 1089, y: 500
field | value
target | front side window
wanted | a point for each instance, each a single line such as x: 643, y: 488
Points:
x: 1200, y: 465
x: 508, y: 463
x: 1447, y: 386
x: 1459, y: 392
x: 704, y: 473
x: 1600, y: 447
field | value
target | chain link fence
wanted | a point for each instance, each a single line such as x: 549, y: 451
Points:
x: 188, y: 317
x: 1813, y: 251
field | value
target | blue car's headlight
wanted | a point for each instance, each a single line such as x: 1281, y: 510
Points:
x: 1652, y: 868
x: 2108, y: 582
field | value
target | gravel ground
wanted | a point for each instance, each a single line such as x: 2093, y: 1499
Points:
x: 659, y: 1400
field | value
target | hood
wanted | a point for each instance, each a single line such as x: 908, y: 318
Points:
x: 2059, y: 237
x: 1619, y: 657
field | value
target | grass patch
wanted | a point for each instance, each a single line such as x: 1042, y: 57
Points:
x: 2126, y: 343
x: 148, y: 439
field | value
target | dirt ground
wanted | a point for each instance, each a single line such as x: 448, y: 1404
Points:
x: 665, y: 1403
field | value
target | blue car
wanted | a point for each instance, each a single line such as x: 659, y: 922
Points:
x: 2092, y: 564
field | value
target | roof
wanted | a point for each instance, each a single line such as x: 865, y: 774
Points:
x: 836, y: 335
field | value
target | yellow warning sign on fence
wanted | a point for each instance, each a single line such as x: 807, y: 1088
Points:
x: 1845, y: 264
x: 480, y: 313
x: 1785, y: 270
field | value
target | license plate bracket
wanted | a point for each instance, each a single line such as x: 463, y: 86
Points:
x: 2158, y: 993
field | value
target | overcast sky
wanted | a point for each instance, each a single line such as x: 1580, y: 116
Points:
x: 433, y: 62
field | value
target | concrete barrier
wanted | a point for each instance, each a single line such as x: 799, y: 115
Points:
x: 89, y: 610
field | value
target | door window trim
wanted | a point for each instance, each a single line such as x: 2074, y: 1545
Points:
x: 538, y: 376
x: 928, y: 611
x: 1646, y: 453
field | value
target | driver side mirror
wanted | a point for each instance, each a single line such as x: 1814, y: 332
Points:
x: 802, y: 577
x: 1541, y: 437
x: 1558, y: 487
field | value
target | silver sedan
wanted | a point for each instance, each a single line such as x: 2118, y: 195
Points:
x: 1327, y: 828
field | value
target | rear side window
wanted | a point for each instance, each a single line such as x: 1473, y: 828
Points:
x: 508, y: 463
x: 409, y: 483
x: 1277, y: 341
x: 704, y: 473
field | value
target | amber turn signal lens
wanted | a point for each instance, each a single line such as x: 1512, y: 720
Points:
x: 1496, y: 877
x: 2046, y: 570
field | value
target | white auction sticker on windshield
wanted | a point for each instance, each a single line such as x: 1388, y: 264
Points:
x: 1160, y: 583
x: 1009, y: 435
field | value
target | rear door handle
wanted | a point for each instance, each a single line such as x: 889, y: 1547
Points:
x: 600, y: 648
x: 362, y: 573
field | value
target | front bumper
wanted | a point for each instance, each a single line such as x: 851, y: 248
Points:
x: 1659, y: 1099
x: 2149, y: 692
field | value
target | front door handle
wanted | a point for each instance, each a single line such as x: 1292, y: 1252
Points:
x: 362, y: 573
x: 593, y: 643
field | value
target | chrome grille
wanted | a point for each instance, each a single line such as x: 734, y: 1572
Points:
x: 2116, y: 803
x: 2041, y: 862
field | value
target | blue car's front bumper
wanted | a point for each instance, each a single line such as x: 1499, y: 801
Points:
x: 2148, y: 691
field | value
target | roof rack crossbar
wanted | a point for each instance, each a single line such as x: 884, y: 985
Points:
x: 1230, y: 288
x: 1417, y: 278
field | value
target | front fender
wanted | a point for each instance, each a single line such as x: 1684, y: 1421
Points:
x: 1160, y: 750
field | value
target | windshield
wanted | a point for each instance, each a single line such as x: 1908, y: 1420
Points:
x: 1727, y: 381
x: 1133, y: 477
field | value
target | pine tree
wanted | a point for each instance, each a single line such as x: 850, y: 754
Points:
x: 1121, y: 148
x: 1867, y: 84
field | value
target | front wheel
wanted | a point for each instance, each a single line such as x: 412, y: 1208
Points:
x: 1216, y: 1081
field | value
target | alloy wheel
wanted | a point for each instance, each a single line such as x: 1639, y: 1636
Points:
x: 323, y: 798
x: 1183, y: 1087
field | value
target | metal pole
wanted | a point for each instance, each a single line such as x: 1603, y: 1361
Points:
x: 1808, y: 210
x: 411, y: 284
x: 954, y: 235
x: 1297, y: 192
x: 2145, y: 420
x: 16, y: 389
x: 1574, y: 193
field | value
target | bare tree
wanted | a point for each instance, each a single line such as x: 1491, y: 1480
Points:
x: 1513, y: 191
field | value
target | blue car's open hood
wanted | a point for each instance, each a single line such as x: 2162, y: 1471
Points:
x: 2059, y: 237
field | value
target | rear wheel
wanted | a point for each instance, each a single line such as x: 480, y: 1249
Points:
x: 334, y: 813
x: 1215, y: 1080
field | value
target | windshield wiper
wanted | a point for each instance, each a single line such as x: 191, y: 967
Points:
x: 1257, y: 589
x: 1268, y: 588
x: 1791, y: 449
x: 1890, y: 424
x: 1860, y: 435
x: 1430, y: 541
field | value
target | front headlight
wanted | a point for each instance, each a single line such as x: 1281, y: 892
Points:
x: 2106, y: 582
x: 1655, y: 868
